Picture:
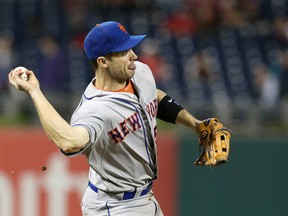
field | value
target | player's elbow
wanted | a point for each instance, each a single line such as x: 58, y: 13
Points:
x: 72, y: 147
x: 69, y: 149
x: 74, y: 141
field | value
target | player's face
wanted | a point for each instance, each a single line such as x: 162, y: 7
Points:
x: 121, y: 65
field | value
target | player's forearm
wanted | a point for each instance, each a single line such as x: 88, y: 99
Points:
x: 57, y: 129
x: 181, y: 116
x: 186, y: 119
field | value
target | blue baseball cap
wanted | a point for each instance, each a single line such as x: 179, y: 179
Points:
x: 109, y: 37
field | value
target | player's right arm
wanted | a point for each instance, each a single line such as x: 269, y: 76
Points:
x: 68, y: 139
x: 172, y: 108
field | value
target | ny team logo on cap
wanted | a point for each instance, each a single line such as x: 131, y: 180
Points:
x: 122, y: 28
x: 109, y: 37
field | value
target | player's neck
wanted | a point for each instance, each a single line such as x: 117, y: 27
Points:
x: 109, y: 85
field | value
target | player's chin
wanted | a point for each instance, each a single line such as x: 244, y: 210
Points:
x: 131, y: 73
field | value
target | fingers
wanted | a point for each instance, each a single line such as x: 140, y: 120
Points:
x: 15, y: 79
x: 11, y: 77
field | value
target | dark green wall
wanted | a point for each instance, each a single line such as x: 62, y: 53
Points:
x: 253, y: 182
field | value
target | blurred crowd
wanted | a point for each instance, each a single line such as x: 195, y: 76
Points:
x: 223, y: 56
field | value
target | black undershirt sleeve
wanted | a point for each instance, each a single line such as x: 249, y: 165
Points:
x: 168, y: 109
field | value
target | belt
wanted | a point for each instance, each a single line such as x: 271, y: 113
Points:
x: 128, y: 194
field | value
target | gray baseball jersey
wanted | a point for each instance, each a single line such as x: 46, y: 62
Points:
x: 122, y: 127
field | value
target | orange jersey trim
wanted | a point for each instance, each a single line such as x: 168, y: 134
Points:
x: 128, y: 88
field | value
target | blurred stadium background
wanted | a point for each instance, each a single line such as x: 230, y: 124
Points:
x: 222, y: 58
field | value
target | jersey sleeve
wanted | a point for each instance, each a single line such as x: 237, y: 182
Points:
x: 88, y: 118
x: 144, y: 76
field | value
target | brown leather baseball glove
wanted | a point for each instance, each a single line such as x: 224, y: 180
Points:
x: 214, y: 140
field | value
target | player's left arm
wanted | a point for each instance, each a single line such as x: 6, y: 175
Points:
x: 68, y: 139
x: 171, y: 111
x: 213, y: 137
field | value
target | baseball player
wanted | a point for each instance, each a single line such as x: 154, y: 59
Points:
x: 114, y: 125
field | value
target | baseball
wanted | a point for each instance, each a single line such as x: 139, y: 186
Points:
x: 23, y: 70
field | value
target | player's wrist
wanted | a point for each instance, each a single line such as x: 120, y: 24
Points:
x: 35, y: 93
x: 197, y: 123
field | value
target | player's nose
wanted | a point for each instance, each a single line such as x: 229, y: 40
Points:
x: 133, y: 55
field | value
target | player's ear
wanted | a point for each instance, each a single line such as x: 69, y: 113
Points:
x: 102, y: 61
